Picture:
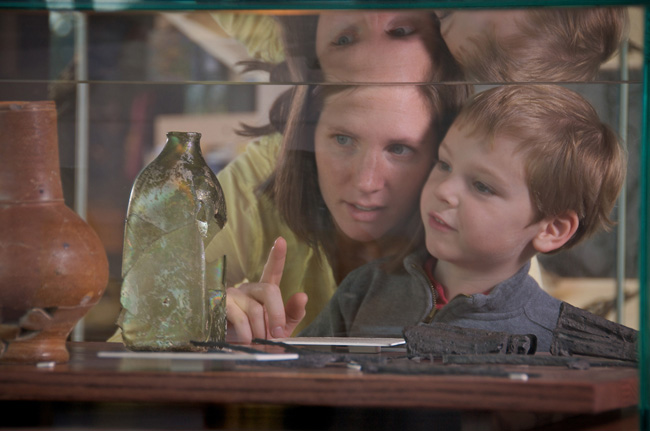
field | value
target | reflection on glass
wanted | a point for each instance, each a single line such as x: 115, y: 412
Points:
x: 517, y: 45
x: 549, y: 44
x: 561, y: 44
x: 345, y: 46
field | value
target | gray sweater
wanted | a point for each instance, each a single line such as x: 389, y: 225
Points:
x: 373, y: 303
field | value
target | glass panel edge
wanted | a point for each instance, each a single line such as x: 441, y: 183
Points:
x: 124, y: 5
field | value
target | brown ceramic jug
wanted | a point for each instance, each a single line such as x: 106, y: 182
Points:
x: 53, y: 267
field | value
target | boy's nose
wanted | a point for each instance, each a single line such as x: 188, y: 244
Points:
x: 447, y: 191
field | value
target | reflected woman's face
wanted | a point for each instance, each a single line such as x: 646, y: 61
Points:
x: 375, y: 46
x: 374, y: 150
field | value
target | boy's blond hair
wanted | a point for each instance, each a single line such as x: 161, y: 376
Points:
x: 573, y: 161
x: 552, y: 44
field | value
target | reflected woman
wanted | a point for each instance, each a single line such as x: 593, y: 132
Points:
x: 504, y: 45
x: 350, y: 46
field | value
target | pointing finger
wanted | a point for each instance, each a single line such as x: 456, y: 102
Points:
x: 274, y: 267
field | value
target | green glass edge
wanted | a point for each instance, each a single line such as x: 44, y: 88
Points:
x: 644, y: 263
x: 118, y: 5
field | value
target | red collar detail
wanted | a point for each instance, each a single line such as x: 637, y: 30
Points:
x: 441, y: 299
x: 429, y: 266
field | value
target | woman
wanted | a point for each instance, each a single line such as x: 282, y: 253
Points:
x: 344, y: 192
x: 297, y: 198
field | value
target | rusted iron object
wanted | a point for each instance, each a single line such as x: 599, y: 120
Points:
x: 579, y: 332
x: 437, y: 339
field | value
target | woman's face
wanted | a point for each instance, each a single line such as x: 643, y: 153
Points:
x: 374, y: 150
x: 375, y: 46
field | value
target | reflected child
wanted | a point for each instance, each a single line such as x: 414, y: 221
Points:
x: 524, y: 45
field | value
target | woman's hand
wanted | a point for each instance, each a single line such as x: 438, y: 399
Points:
x: 256, y: 310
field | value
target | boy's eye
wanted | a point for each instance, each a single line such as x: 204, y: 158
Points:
x: 482, y: 188
x: 401, y: 31
x: 344, y: 39
x: 343, y: 140
x: 443, y: 166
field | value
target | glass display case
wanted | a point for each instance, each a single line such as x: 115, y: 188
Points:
x: 124, y: 73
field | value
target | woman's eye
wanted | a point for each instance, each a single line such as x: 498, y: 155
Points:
x: 343, y: 140
x: 401, y: 31
x: 482, y: 188
x: 344, y: 39
x: 400, y: 149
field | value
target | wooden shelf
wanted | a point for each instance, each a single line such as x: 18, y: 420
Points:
x: 89, y: 378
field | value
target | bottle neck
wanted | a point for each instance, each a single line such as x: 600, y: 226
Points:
x: 185, y: 142
x: 29, y: 153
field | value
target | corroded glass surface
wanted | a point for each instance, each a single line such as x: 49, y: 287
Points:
x: 170, y: 295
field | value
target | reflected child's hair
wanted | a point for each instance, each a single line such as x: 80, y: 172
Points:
x: 553, y: 44
x: 572, y: 160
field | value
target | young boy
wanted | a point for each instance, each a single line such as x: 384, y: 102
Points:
x: 522, y: 170
x: 523, y: 45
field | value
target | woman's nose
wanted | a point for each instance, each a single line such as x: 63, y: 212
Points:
x: 370, y: 173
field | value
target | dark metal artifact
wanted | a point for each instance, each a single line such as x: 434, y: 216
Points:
x: 579, y: 332
x: 437, y: 339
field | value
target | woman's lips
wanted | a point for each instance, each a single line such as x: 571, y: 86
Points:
x: 364, y: 213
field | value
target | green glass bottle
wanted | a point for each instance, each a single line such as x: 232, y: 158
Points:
x: 170, y: 295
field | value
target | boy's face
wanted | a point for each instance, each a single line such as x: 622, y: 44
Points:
x: 460, y: 28
x: 374, y: 150
x: 476, y: 206
x: 375, y: 46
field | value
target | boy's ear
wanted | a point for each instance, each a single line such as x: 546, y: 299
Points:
x: 556, y: 231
